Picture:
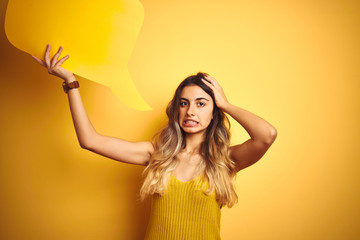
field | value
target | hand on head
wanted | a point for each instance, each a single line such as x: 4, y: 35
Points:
x: 220, y: 98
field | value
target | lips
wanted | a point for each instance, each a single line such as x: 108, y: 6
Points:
x: 190, y: 123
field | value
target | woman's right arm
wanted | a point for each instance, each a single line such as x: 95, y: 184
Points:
x: 138, y: 153
x: 124, y: 151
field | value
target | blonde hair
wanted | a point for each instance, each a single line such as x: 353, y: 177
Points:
x: 219, y: 169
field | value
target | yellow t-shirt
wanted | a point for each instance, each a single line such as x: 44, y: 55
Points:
x: 184, y: 213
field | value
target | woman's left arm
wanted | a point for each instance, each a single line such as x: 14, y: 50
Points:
x: 262, y: 134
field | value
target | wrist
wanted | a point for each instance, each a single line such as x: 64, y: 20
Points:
x: 71, y: 85
x: 70, y: 79
x: 225, y: 106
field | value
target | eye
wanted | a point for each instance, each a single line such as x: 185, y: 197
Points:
x: 201, y: 104
x: 183, y: 103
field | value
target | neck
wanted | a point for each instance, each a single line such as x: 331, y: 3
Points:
x: 193, y: 142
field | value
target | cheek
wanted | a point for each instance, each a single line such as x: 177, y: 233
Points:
x: 181, y: 112
x: 207, y: 117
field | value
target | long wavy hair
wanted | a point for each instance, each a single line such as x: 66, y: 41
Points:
x: 219, y: 169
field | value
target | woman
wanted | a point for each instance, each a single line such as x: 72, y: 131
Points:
x: 190, y: 166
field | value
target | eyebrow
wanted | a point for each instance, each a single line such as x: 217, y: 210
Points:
x: 200, y: 98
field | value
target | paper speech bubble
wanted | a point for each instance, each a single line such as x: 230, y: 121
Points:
x: 99, y: 36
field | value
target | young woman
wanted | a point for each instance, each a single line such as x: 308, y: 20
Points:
x: 190, y: 165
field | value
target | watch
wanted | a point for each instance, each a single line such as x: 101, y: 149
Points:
x: 68, y: 86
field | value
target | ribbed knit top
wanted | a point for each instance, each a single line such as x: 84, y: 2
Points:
x: 184, y: 213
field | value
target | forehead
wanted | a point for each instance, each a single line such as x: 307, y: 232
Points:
x: 193, y: 92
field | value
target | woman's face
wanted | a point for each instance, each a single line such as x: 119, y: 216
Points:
x: 196, y: 109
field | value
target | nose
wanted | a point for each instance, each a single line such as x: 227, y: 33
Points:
x: 191, y: 110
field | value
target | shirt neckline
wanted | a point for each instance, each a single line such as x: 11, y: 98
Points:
x: 172, y: 175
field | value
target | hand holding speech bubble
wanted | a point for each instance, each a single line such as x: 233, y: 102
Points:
x: 98, y: 35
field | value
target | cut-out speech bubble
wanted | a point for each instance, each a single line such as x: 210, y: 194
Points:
x: 99, y: 36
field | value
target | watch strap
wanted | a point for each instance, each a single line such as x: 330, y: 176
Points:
x: 71, y: 85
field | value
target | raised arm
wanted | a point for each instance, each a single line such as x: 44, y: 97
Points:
x: 121, y: 150
x: 262, y: 134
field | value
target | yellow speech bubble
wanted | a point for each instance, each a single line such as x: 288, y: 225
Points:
x: 98, y: 35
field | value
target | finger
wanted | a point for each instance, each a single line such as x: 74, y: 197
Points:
x: 56, y: 56
x: 212, y: 80
x: 47, y: 53
x: 38, y: 60
x: 207, y: 83
x: 58, y: 64
x: 209, y: 80
x: 208, y: 77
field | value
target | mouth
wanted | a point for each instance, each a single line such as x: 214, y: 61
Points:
x: 190, y: 123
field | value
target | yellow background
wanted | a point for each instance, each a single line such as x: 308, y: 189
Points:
x: 294, y: 63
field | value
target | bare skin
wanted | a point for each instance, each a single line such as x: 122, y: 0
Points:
x: 195, y: 115
x: 138, y: 153
x: 262, y: 134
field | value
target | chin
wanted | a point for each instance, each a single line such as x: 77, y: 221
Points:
x: 192, y: 131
